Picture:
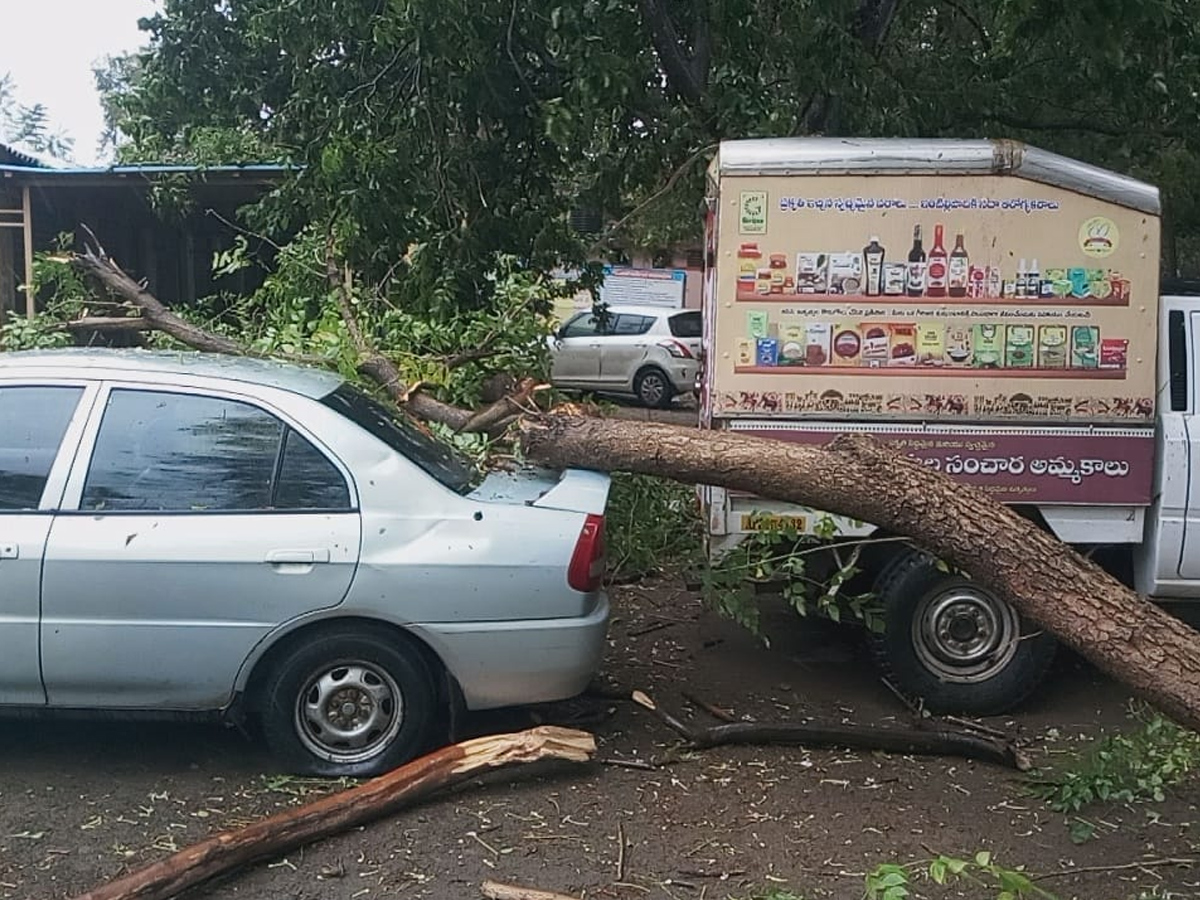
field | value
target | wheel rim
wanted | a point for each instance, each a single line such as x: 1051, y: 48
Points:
x: 349, y: 712
x: 963, y: 634
x: 653, y: 388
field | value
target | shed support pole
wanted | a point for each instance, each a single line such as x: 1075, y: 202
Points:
x: 27, y: 216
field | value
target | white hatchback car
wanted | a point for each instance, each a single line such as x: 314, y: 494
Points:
x: 650, y: 352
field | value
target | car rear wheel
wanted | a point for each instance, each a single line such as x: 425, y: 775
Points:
x: 350, y: 702
x: 953, y: 643
x: 653, y: 388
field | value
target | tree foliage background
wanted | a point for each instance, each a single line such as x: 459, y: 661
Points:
x: 442, y: 143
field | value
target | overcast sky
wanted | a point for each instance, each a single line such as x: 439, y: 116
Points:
x: 49, y: 47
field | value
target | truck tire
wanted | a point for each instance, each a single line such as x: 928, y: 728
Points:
x: 952, y: 643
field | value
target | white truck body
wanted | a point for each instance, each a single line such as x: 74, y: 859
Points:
x: 983, y: 306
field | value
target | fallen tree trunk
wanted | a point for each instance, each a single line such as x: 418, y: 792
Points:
x: 1153, y: 653
x: 1132, y: 640
x: 376, y: 798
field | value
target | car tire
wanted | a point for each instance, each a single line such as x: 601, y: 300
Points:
x: 954, y: 644
x: 348, y: 703
x: 653, y: 388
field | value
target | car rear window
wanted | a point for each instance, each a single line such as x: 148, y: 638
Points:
x: 436, y: 458
x: 630, y: 324
x: 686, y: 325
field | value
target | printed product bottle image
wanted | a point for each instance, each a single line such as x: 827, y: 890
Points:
x: 959, y: 268
x: 937, y: 269
x: 915, y: 280
x: 873, y: 267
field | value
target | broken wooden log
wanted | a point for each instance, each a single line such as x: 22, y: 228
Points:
x: 231, y: 850
x: 908, y: 741
x: 494, y: 890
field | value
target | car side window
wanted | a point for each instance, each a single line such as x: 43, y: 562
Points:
x: 166, y: 452
x: 33, y: 420
x: 307, y: 479
x: 585, y: 324
x: 686, y: 325
x: 629, y: 324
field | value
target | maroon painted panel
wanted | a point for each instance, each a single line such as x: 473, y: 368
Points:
x: 1026, y: 468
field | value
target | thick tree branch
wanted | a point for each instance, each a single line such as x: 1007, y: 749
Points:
x: 340, y: 812
x: 95, y: 263
x: 110, y: 323
x: 872, y: 21
x: 687, y: 74
x: 913, y: 741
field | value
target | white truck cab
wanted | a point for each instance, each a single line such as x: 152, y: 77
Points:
x: 988, y: 308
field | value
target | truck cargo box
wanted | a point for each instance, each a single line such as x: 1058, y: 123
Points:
x: 984, y: 306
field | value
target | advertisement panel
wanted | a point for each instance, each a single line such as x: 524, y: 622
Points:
x: 986, y: 298
x: 1112, y: 466
x: 643, y: 287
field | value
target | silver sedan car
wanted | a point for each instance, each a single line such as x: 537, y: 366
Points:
x: 649, y: 352
x: 183, y: 534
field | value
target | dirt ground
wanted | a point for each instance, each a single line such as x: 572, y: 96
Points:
x: 81, y: 803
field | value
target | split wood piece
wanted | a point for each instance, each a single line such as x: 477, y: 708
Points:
x: 921, y: 742
x: 494, y: 890
x: 231, y: 850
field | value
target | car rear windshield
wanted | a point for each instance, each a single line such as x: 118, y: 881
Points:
x: 438, y: 459
x: 686, y: 325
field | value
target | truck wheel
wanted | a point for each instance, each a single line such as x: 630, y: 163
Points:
x: 653, y: 388
x: 953, y: 643
x: 350, y: 702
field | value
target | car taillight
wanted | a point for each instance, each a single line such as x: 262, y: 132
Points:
x: 587, y: 562
x: 676, y: 349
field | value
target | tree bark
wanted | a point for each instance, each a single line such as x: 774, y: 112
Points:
x: 338, y: 812
x: 1132, y: 640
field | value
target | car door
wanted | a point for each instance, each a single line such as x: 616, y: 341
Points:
x: 35, y: 434
x: 575, y: 351
x: 623, y: 351
x: 194, y: 524
x: 1179, y: 442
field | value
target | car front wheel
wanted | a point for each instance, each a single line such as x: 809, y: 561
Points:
x: 348, y: 703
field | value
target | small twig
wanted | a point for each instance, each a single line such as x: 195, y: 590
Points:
x: 975, y: 726
x: 628, y: 763
x: 1121, y: 867
x: 908, y: 704
x: 700, y: 873
x: 716, y: 712
x: 657, y: 626
x: 653, y: 198
x: 620, y: 852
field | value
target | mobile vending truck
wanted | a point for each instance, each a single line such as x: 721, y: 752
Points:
x: 988, y: 308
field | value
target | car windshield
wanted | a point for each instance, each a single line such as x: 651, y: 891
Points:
x: 438, y: 459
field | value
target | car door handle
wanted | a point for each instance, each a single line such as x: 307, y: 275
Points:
x: 9, y: 551
x: 595, y: 346
x: 297, y: 557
